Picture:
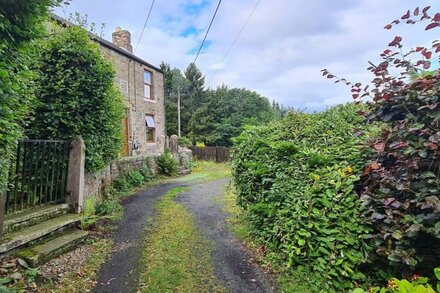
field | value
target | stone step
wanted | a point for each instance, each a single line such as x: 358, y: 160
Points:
x: 50, y: 249
x: 34, y: 216
x: 45, y: 229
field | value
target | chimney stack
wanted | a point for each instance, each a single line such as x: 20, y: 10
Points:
x: 122, y: 38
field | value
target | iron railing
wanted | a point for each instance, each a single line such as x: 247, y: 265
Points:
x: 37, y: 174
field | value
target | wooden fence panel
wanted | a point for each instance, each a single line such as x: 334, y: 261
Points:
x: 216, y: 154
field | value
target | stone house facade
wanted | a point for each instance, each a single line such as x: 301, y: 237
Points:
x: 142, y: 86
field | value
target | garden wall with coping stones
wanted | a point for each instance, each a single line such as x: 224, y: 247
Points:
x: 99, y: 182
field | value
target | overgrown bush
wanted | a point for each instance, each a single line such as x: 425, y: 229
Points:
x: 20, y: 23
x: 131, y: 179
x: 296, y: 178
x: 135, y: 178
x: 76, y: 95
x: 167, y: 164
x: 401, y: 185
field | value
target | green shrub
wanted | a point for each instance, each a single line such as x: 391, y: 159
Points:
x: 146, y: 171
x: 134, y: 178
x: 167, y: 164
x: 76, y: 95
x: 96, y: 208
x: 415, y: 284
x: 107, y: 207
x: 296, y: 178
x: 120, y: 184
x: 89, y: 217
x: 21, y: 22
x: 131, y: 179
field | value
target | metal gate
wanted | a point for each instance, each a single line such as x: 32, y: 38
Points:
x: 37, y: 174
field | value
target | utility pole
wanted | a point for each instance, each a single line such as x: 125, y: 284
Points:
x: 178, y: 111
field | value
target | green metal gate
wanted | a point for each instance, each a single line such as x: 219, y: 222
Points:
x: 37, y: 174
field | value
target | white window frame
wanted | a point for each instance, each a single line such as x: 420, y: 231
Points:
x: 150, y: 85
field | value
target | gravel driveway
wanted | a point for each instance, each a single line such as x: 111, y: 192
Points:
x: 232, y: 263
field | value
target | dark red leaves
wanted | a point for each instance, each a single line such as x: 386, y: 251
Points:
x: 427, y: 54
x: 388, y: 26
x: 406, y: 15
x: 375, y: 166
x: 398, y: 145
x: 427, y: 65
x: 426, y: 9
x: 418, y: 49
x: 388, y: 201
x: 396, y: 41
x: 379, y: 147
x: 355, y: 96
x: 432, y: 25
x: 370, y: 168
x: 436, y: 17
x: 431, y: 146
x: 416, y: 11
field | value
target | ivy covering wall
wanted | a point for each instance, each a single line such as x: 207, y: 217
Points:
x: 20, y: 23
x: 76, y: 95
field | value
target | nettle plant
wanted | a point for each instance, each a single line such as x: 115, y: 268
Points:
x: 401, y: 184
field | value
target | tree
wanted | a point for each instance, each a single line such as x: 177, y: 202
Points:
x: 213, y: 117
x: 196, y: 84
x: 175, y: 84
x: 20, y: 23
x: 76, y: 95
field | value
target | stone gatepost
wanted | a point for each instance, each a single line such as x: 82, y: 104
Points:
x: 162, y: 143
x: 75, y: 174
x: 174, y: 145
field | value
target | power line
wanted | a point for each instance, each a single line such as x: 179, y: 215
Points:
x: 209, y: 27
x: 235, y: 41
x: 145, y: 25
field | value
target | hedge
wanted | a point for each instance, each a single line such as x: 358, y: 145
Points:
x: 296, y: 179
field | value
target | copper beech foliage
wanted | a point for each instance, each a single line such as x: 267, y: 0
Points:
x: 401, y: 184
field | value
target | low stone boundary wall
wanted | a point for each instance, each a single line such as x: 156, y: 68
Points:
x: 98, y: 183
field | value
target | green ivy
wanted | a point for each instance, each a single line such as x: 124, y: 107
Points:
x: 76, y: 95
x: 297, y: 178
x: 20, y: 23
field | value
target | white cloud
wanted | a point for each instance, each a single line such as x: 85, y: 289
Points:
x: 281, y: 51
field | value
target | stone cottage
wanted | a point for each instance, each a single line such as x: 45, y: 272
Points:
x: 142, y: 86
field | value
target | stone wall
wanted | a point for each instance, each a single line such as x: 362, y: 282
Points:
x: 99, y: 182
x: 129, y: 78
x: 185, y: 157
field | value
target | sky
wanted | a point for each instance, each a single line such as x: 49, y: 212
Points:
x: 280, y: 52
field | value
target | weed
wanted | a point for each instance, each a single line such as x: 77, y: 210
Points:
x: 176, y: 258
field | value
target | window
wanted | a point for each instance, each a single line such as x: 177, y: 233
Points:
x: 151, y: 128
x: 148, y: 85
